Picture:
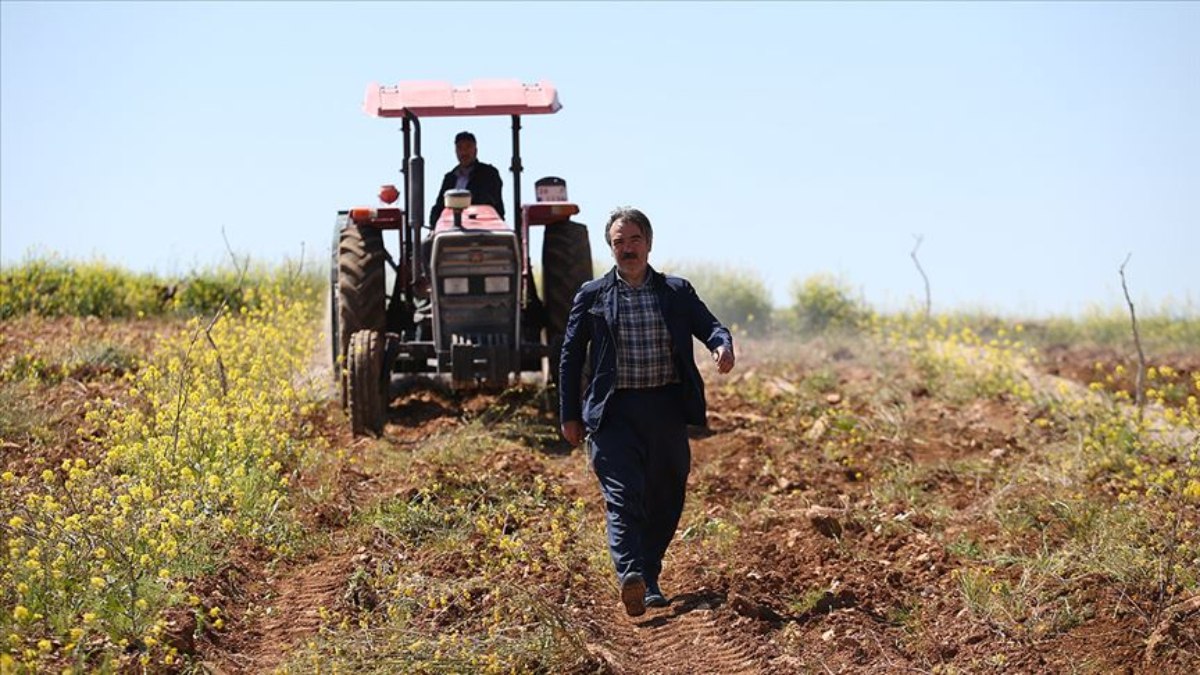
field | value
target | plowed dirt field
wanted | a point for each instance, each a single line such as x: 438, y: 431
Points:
x: 843, y: 517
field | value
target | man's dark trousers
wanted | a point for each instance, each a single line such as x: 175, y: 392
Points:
x: 641, y: 456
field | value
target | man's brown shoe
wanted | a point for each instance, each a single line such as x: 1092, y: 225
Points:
x: 633, y: 594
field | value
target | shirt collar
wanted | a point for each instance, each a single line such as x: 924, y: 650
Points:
x: 621, y: 283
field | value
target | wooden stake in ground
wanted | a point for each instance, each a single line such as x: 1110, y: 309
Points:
x: 1140, y: 383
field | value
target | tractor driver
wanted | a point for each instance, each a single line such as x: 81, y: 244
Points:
x: 483, y: 180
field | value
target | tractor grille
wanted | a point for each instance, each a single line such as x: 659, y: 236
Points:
x: 476, y: 282
x: 482, y: 339
x: 477, y: 316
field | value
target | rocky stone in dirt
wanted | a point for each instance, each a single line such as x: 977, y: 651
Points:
x: 827, y: 526
x: 829, y: 522
x: 1174, y: 613
x: 817, y: 430
x: 751, y: 609
x: 778, y: 386
x: 785, y: 484
x: 181, y: 631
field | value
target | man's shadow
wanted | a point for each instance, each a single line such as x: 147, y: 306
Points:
x: 708, y: 600
x: 683, y: 604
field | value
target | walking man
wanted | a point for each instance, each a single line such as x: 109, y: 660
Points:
x: 645, y: 389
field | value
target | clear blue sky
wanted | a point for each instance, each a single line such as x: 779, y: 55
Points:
x: 1033, y: 145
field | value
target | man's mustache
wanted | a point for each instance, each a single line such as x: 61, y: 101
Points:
x: 628, y: 256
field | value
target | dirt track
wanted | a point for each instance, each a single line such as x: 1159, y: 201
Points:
x: 699, y: 633
x: 826, y: 568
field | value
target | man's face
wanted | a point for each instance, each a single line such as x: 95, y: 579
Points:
x: 630, y: 248
x: 465, y: 150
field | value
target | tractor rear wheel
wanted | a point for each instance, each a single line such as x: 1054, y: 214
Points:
x: 368, y: 383
x: 566, y: 265
x: 361, y: 293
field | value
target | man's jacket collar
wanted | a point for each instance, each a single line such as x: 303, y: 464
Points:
x: 657, y: 281
x: 653, y: 277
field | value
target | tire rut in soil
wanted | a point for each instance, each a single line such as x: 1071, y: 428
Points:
x: 695, y: 642
x: 295, y: 611
x: 662, y: 643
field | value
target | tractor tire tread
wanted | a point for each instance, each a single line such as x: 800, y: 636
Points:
x: 367, y: 395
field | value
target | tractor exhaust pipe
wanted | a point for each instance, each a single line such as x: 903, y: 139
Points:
x: 416, y: 197
x: 416, y: 188
x: 406, y: 236
x: 518, y: 221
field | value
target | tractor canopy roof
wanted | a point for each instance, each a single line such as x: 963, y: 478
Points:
x: 441, y: 99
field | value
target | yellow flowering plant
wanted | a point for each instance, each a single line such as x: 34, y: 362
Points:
x: 95, y: 552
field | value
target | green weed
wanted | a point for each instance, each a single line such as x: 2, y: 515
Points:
x: 49, y: 287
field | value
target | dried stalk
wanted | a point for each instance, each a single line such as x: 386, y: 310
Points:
x: 1140, y: 383
x: 928, y: 297
x: 183, y: 386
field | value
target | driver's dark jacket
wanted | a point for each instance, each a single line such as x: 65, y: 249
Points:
x: 593, y: 320
x: 484, y: 184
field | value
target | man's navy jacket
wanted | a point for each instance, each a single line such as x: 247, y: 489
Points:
x: 593, y: 320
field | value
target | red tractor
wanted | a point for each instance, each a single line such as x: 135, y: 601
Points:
x: 463, y: 305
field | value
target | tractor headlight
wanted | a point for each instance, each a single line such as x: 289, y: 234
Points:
x: 496, y: 284
x: 455, y: 286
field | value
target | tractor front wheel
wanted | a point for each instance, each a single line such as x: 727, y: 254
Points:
x: 368, y: 379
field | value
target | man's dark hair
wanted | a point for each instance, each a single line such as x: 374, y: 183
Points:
x: 629, y: 215
x: 464, y: 136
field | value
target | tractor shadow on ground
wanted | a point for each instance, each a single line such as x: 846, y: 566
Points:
x: 419, y: 400
x: 527, y: 413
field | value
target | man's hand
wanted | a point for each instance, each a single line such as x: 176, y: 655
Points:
x: 573, y: 432
x: 723, y: 356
